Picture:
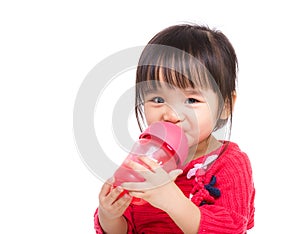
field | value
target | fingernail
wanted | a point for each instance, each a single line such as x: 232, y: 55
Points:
x: 120, y: 189
x: 127, y: 196
x: 111, y: 180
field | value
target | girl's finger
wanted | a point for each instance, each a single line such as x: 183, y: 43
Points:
x: 144, y: 170
x: 150, y: 162
x: 145, y: 164
x: 136, y: 166
x: 123, y: 202
x: 175, y: 173
x: 137, y: 194
x: 136, y: 186
x: 105, y: 190
x: 113, y: 196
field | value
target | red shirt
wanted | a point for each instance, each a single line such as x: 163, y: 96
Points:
x: 232, y: 211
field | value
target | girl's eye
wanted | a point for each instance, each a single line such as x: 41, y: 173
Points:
x: 158, y: 100
x: 191, y: 101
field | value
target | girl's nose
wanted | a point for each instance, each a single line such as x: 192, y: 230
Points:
x: 170, y: 115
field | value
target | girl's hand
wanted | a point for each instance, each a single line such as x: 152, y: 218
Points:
x: 165, y: 194
x: 110, y: 205
x: 158, y: 186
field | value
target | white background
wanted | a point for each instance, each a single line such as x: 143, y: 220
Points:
x: 48, y: 47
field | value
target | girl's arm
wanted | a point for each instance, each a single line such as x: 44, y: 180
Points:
x: 115, y: 226
x: 111, y: 209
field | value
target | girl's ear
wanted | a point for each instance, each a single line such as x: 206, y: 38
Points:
x: 226, y: 109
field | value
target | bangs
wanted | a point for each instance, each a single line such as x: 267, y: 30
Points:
x: 157, y: 75
x: 172, y: 67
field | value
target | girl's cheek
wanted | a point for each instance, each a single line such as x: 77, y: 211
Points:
x: 150, y: 118
x: 148, y: 115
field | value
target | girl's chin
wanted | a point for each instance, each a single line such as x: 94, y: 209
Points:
x: 192, y: 141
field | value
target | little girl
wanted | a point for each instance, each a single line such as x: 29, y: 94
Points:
x: 186, y: 76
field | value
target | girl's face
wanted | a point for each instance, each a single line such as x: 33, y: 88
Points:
x: 194, y: 110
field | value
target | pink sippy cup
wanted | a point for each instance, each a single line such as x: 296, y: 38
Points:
x: 165, y: 143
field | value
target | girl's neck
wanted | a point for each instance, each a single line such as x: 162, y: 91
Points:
x: 204, y: 147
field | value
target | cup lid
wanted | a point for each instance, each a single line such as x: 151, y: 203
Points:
x: 171, y: 136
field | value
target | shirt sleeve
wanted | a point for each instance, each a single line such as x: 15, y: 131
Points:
x: 233, y: 211
x: 97, y: 225
x: 127, y: 215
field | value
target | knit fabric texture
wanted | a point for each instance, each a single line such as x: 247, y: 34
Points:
x: 224, y: 194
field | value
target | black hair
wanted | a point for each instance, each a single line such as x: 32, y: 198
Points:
x: 188, y: 56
